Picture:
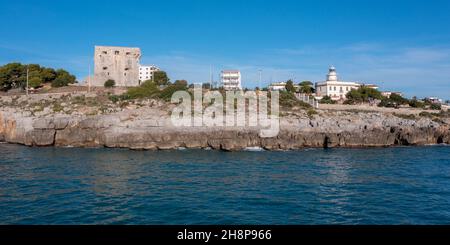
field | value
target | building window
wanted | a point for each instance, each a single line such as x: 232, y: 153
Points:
x: 105, y: 68
x: 128, y: 53
x: 104, y: 52
x: 125, y: 74
x: 116, y: 52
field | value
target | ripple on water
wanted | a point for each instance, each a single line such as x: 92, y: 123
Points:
x: 312, y: 186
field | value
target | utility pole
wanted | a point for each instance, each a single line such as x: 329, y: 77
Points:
x: 89, y: 79
x: 210, y: 77
x: 260, y: 79
x: 27, y: 79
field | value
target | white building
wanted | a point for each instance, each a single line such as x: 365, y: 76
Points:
x: 389, y: 93
x: 146, y: 72
x: 281, y: 86
x: 335, y: 89
x: 231, y: 79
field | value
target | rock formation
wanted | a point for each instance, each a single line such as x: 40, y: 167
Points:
x: 150, y: 128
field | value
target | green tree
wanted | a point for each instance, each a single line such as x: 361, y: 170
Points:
x: 161, y: 78
x: 306, y: 87
x: 35, y: 82
x: 290, y: 86
x: 48, y: 75
x: 400, y: 100
x: 363, y: 94
x: 12, y: 75
x: 182, y: 83
x: 63, y: 78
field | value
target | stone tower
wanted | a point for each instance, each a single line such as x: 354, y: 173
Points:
x: 120, y: 64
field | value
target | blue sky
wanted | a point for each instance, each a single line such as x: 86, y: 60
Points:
x: 400, y: 45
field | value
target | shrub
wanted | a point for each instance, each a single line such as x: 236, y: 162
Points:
x: 327, y: 100
x: 63, y: 78
x: 398, y: 99
x: 385, y: 102
x: 311, y: 112
x: 110, y: 83
x: 435, y: 106
x: 289, y: 100
x: 416, y: 104
x: 181, y: 83
x: 166, y: 93
x: 147, y: 89
x: 35, y: 82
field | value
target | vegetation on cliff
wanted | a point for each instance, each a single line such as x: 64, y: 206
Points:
x: 14, y: 75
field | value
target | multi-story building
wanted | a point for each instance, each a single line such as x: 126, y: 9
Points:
x: 281, y: 86
x: 335, y: 89
x: 231, y: 79
x: 120, y: 64
x: 147, y: 72
x: 389, y: 93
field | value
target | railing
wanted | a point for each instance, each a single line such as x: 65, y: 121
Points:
x: 308, y: 99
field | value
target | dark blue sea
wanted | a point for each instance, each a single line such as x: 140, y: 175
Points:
x: 405, y: 185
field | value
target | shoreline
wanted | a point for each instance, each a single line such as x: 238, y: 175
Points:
x: 73, y: 120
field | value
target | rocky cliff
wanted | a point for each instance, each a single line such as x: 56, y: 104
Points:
x: 149, y: 127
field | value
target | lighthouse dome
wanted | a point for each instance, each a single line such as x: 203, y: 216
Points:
x: 332, y: 75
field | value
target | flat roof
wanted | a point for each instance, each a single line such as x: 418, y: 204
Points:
x: 115, y: 47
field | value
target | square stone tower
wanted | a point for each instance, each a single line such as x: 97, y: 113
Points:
x: 120, y: 64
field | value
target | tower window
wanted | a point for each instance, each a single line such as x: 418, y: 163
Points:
x: 116, y: 52
x: 105, y: 68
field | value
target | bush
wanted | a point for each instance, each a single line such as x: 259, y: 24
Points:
x: 435, y: 107
x: 416, y: 104
x: 147, y: 89
x: 385, y: 102
x: 311, y: 112
x: 110, y: 83
x: 289, y: 100
x: 398, y: 99
x: 35, y: 82
x: 63, y: 78
x: 327, y: 100
x: 181, y: 83
x: 166, y: 93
